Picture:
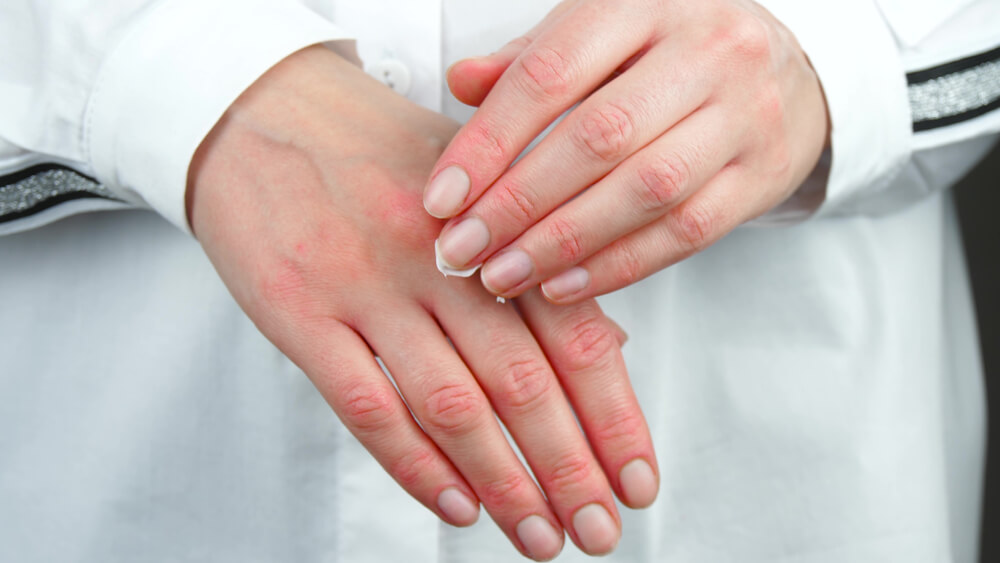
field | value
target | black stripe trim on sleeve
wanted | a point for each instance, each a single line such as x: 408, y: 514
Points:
x: 955, y: 91
x: 36, y: 188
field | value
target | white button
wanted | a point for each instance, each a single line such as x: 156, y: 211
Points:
x: 393, y: 74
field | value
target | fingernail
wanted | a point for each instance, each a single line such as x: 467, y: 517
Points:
x: 566, y: 284
x: 445, y: 195
x: 459, y: 508
x: 540, y: 540
x: 638, y: 483
x: 507, y: 271
x: 463, y: 242
x: 595, y: 529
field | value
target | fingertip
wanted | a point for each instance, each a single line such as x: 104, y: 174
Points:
x: 458, y: 508
x: 639, y: 484
x: 541, y: 541
x: 470, y: 80
x: 567, y: 287
x: 446, y: 193
x: 597, y: 530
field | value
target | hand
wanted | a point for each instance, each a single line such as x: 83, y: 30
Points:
x: 306, y: 198
x: 693, y: 117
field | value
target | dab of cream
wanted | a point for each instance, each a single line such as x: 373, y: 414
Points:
x: 449, y: 271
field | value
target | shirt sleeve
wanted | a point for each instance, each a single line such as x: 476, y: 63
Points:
x: 103, y: 104
x: 872, y: 58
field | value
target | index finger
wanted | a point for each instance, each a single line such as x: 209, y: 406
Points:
x: 562, y: 65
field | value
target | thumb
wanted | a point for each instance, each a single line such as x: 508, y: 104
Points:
x: 470, y: 80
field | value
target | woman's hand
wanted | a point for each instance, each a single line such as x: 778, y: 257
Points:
x: 693, y: 117
x: 306, y: 197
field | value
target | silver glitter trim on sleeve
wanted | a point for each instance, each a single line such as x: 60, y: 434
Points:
x: 956, y: 93
x: 21, y: 197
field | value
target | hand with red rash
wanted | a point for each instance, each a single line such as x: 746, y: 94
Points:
x: 306, y: 197
x: 693, y: 117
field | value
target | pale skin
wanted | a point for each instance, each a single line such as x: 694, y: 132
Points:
x: 693, y: 118
x: 306, y: 197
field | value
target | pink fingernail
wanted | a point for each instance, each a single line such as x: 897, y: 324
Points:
x: 638, y: 483
x: 459, y: 508
x: 463, y: 242
x: 566, y: 284
x: 447, y: 192
x: 540, y: 540
x: 596, y: 529
x: 507, y: 271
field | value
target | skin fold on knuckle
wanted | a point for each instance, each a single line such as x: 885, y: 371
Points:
x: 414, y: 468
x: 569, y: 472
x: 524, y: 384
x: 567, y: 238
x: 605, y: 133
x: 512, y: 204
x: 488, y: 145
x: 545, y: 72
x: 588, y: 342
x: 453, y: 409
x: 629, y: 266
x: 662, y: 182
x: 622, y: 424
x: 695, y: 226
x: 367, y: 408
x: 503, y: 491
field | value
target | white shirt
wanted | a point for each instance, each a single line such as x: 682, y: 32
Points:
x: 813, y: 390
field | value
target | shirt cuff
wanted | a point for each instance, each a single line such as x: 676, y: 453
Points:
x: 173, y: 75
x: 856, y: 58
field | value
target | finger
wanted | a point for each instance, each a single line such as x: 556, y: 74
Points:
x: 454, y: 412
x: 581, y: 344
x: 721, y: 206
x: 604, y: 130
x: 637, y: 192
x: 560, y: 67
x: 470, y: 80
x: 525, y: 393
x: 342, y: 368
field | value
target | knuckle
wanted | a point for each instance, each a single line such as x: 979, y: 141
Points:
x: 629, y: 263
x: 368, y: 408
x: 453, y: 409
x: 499, y: 492
x: 413, y: 468
x: 524, y: 383
x: 750, y: 39
x: 567, y: 238
x: 513, y: 202
x: 491, y: 144
x: 546, y: 72
x: 622, y: 424
x: 569, y: 471
x: 696, y: 223
x: 589, y: 342
x: 606, y: 133
x: 663, y: 182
